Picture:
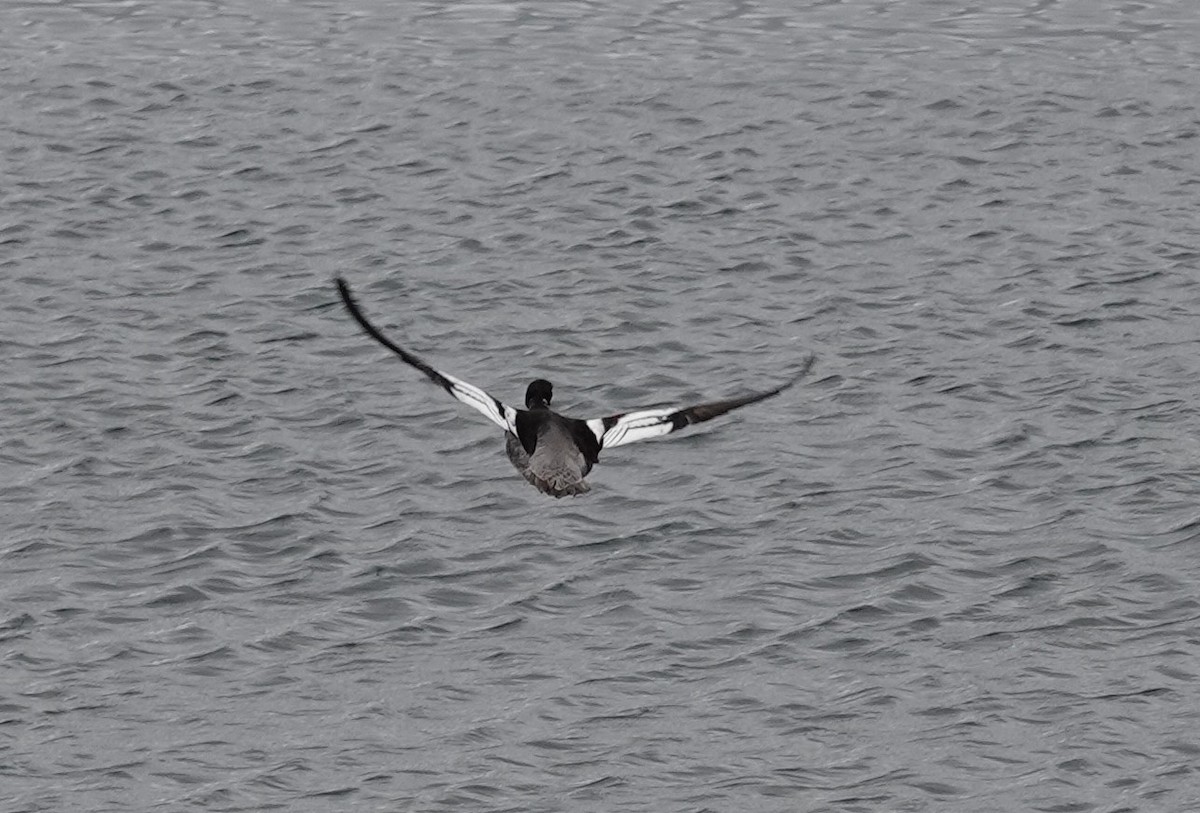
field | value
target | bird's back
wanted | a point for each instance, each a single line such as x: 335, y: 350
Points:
x: 557, y: 465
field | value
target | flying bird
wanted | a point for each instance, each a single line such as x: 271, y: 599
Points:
x: 552, y: 451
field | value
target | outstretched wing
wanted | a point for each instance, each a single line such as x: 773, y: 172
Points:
x: 617, y: 430
x: 497, y: 412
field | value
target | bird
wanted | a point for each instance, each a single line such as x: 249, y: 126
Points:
x: 552, y: 451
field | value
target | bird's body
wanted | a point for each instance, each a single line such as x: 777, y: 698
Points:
x: 557, y: 464
x: 552, y: 451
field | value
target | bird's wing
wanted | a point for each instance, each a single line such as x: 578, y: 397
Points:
x: 617, y: 430
x: 497, y: 412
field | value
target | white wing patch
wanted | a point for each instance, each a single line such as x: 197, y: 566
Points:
x: 634, y: 426
x: 500, y: 414
x: 617, y: 430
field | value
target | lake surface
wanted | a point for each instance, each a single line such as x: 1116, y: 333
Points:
x: 250, y: 561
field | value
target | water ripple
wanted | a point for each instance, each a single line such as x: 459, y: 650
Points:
x: 250, y: 561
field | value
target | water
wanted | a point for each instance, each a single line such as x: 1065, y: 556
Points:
x: 250, y: 561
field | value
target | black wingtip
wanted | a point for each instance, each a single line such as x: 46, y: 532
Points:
x: 352, y: 306
x: 805, y: 369
x: 372, y: 331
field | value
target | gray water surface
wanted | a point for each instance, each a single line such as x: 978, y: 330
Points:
x: 250, y: 561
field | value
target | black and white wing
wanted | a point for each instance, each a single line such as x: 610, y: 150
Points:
x: 497, y: 412
x: 617, y: 430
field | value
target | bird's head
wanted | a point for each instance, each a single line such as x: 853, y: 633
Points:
x: 539, y: 394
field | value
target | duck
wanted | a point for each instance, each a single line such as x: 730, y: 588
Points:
x: 554, y: 452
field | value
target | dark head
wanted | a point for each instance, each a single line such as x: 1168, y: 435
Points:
x: 539, y: 394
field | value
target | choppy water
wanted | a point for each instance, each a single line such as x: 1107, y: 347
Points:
x: 249, y: 561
